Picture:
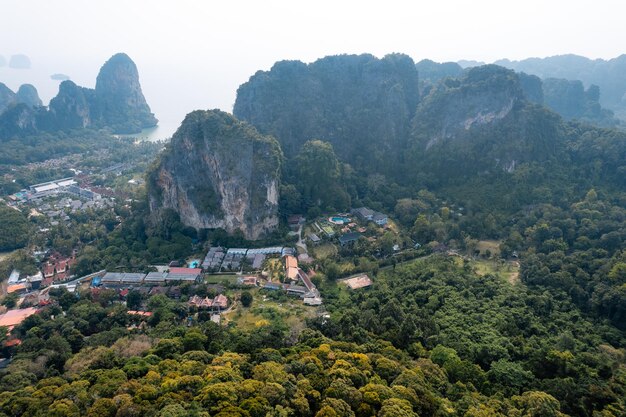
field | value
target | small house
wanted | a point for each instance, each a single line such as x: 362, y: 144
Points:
x: 349, y: 238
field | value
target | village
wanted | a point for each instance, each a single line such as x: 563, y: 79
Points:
x: 213, y: 284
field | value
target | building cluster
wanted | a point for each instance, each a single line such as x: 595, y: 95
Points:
x: 132, y: 279
x: 22, y: 284
x: 294, y: 274
x: 55, y: 199
x: 57, y: 268
x: 235, y: 259
x: 367, y: 215
x: 219, y: 302
x: 54, y: 188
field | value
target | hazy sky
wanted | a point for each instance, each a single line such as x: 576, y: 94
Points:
x: 194, y: 54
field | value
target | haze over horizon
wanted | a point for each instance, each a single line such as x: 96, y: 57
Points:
x: 194, y: 55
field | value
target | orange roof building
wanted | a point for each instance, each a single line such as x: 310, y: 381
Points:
x: 21, y: 287
x: 12, y: 318
x: 291, y: 267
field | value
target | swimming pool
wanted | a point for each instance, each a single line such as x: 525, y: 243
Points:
x: 339, y: 220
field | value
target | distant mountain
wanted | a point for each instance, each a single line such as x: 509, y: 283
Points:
x: 218, y: 172
x: 117, y: 104
x: 59, y: 77
x: 19, y: 61
x: 26, y: 94
x: 609, y: 75
x: 481, y: 122
x: 566, y: 97
x: 7, y: 97
x: 360, y: 104
x: 488, y: 122
x: 119, y: 101
x: 432, y: 71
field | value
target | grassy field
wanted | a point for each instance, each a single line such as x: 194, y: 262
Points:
x: 4, y: 255
x: 263, y: 311
x: 507, y: 270
x: 324, y: 250
x: 493, y: 246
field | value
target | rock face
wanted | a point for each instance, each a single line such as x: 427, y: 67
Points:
x: 28, y: 95
x: 360, y: 104
x: 219, y: 172
x: 7, y: 97
x: 119, y: 100
x: 482, y: 122
x: 72, y: 107
x: 483, y: 96
x: 117, y: 104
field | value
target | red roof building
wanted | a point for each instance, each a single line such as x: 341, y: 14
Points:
x: 179, y: 270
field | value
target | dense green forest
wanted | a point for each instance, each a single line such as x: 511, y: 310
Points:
x: 469, y: 159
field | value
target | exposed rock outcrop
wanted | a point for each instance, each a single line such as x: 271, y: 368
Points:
x: 28, y: 95
x: 116, y: 104
x: 119, y: 101
x: 481, y: 122
x: 7, y: 97
x: 360, y: 104
x: 218, y: 172
x: 72, y: 107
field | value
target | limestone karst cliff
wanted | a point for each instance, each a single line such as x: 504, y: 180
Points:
x: 218, y: 172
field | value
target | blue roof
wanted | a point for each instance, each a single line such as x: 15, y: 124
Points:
x: 272, y: 286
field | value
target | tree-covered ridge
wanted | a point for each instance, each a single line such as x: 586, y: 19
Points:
x: 609, y: 75
x: 14, y: 229
x: 360, y: 104
x: 569, y: 98
x: 429, y: 338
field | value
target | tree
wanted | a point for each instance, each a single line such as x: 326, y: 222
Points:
x: 318, y: 176
x: 246, y: 299
x: 395, y: 407
x: 537, y: 404
x: 133, y: 300
x: 10, y: 301
x: 194, y: 340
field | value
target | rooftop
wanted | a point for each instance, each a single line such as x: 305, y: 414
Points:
x: 14, y: 317
x: 360, y: 281
x: 290, y: 262
x: 349, y: 237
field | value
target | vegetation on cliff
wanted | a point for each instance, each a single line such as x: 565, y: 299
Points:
x: 218, y: 172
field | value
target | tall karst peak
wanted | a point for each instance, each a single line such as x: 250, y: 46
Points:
x: 219, y: 172
x: 27, y: 94
x: 120, y: 100
x: 117, y: 103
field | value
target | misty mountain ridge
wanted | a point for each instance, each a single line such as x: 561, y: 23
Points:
x: 117, y: 104
x: 566, y: 96
x: 365, y: 120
